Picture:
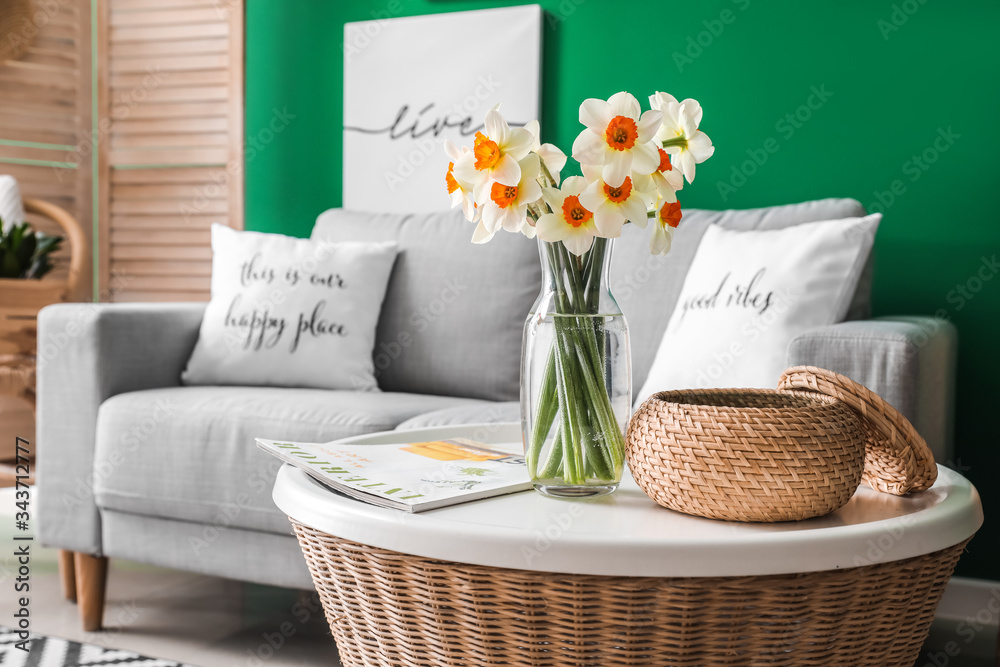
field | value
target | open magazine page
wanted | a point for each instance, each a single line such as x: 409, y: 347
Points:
x: 410, y: 476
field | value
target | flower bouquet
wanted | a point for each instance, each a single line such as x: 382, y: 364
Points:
x: 576, y: 368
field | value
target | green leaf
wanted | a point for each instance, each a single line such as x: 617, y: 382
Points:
x: 9, y: 268
x: 25, y: 253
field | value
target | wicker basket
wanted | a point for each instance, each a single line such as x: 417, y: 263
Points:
x: 746, y: 454
x: 897, y: 459
x: 388, y: 609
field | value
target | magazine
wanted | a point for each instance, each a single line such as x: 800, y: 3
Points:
x: 413, y: 477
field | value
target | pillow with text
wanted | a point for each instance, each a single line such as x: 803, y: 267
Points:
x: 749, y: 293
x: 290, y: 312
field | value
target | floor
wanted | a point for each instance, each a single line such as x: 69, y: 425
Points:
x: 210, y: 622
x: 199, y: 620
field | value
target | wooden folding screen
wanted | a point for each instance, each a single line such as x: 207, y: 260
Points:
x: 170, y: 95
x: 45, y: 112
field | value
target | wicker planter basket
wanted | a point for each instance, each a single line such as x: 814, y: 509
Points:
x: 389, y: 609
x: 747, y: 454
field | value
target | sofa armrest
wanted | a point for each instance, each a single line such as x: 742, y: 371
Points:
x: 908, y: 361
x: 86, y: 354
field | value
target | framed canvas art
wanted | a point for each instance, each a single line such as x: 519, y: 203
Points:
x: 410, y: 83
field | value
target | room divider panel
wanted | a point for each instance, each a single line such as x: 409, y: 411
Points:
x: 45, y: 114
x: 170, y: 100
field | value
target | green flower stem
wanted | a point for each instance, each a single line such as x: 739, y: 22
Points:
x: 592, y: 449
x: 594, y: 273
x: 571, y: 473
x: 605, y: 417
x: 681, y: 141
x: 587, y: 442
x: 554, y: 464
x: 545, y: 414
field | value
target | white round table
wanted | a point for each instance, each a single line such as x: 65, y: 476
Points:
x: 623, y: 535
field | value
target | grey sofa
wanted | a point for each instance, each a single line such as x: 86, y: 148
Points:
x: 133, y: 465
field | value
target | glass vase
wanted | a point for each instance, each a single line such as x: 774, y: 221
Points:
x: 576, y: 376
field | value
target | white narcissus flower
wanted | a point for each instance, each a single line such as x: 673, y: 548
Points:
x: 494, y: 156
x: 553, y: 158
x: 667, y: 219
x: 459, y: 194
x: 507, y: 206
x: 680, y: 134
x: 617, y: 138
x: 662, y: 183
x: 571, y: 222
x: 612, y: 206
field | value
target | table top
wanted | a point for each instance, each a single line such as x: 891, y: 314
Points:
x: 626, y: 533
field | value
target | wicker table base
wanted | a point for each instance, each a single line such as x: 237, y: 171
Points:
x: 389, y: 609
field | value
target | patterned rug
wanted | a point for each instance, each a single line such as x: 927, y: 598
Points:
x: 55, y: 652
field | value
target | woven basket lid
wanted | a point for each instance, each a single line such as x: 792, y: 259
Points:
x: 15, y: 21
x: 897, y: 458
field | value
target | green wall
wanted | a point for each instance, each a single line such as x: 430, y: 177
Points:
x: 894, y: 77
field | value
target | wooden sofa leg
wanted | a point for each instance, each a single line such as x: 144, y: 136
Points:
x: 91, y: 577
x: 67, y: 573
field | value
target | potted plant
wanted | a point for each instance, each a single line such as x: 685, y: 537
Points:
x: 25, y: 253
x: 26, y: 257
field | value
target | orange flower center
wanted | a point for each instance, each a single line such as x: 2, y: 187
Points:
x: 449, y: 178
x: 621, y: 133
x: 503, y: 195
x: 574, y: 213
x: 670, y: 214
x: 619, y: 194
x: 665, y: 161
x: 487, y: 152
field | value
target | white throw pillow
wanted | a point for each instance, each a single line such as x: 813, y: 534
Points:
x: 291, y: 312
x: 11, y: 208
x: 749, y: 293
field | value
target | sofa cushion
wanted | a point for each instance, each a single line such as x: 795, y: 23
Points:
x: 647, y: 286
x: 290, y: 312
x: 749, y: 293
x: 188, y: 453
x: 473, y: 413
x: 453, y: 314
